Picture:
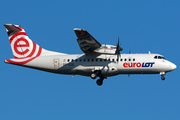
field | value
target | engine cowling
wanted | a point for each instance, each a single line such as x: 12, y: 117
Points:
x: 106, y: 49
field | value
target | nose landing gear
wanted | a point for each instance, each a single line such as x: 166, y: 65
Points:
x: 163, y: 78
x: 162, y: 75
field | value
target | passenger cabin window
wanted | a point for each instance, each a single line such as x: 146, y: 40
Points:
x: 133, y: 59
x: 124, y: 59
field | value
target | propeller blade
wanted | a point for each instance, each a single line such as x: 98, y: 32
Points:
x: 118, y: 49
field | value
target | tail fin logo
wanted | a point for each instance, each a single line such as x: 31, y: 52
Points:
x: 17, y: 45
x: 23, y: 47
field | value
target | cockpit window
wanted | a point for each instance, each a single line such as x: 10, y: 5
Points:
x: 159, y: 57
x: 163, y: 58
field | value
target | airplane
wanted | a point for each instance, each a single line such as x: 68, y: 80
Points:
x: 98, y: 60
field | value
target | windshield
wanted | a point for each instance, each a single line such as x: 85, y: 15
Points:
x: 159, y: 57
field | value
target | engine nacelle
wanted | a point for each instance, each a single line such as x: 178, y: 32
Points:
x: 106, y: 49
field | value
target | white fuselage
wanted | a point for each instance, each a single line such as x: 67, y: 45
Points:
x: 97, y: 61
x: 107, y: 64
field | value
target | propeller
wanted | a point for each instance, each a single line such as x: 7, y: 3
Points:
x: 118, y: 49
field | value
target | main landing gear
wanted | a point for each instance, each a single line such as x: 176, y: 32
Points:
x: 162, y: 75
x: 99, y: 82
x: 96, y: 74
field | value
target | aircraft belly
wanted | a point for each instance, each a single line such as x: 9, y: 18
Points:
x: 138, y: 71
x: 86, y: 71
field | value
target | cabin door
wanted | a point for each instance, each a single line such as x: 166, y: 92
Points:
x: 56, y: 64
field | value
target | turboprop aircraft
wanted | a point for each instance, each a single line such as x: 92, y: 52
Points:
x: 97, y: 61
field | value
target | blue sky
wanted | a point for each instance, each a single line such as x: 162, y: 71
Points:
x: 141, y: 25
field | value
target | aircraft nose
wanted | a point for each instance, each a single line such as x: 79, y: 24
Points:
x: 173, y: 66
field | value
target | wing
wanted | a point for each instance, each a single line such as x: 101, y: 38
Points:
x: 86, y: 42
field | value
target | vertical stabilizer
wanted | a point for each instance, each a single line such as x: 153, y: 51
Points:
x: 22, y: 46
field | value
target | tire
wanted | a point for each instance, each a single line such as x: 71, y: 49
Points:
x: 93, y: 75
x: 99, y: 82
x: 163, y: 78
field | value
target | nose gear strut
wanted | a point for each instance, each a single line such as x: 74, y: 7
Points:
x: 162, y: 75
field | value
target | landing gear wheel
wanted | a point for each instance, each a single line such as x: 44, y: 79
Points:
x: 93, y: 75
x: 163, y: 78
x: 99, y: 82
